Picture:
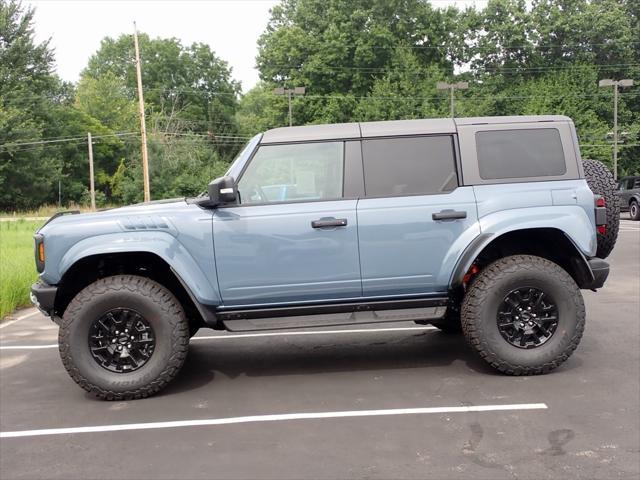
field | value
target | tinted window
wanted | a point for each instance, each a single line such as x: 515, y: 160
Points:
x: 520, y: 153
x: 408, y: 166
x: 281, y: 173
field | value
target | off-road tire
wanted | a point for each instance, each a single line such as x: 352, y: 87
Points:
x: 486, y: 293
x: 634, y: 210
x: 160, y: 309
x: 601, y: 182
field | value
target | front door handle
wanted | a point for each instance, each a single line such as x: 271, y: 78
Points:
x: 329, y: 222
x: 449, y: 215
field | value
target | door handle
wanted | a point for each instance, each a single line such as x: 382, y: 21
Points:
x: 329, y: 222
x: 449, y: 215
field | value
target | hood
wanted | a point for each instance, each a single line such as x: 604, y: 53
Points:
x: 146, y: 212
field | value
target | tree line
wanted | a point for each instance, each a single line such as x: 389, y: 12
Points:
x: 358, y: 60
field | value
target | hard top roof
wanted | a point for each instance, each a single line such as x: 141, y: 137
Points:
x: 344, y: 131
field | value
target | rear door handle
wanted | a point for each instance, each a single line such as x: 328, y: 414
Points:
x: 449, y: 215
x: 329, y: 222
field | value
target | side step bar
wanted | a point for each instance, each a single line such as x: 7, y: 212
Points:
x: 333, y: 315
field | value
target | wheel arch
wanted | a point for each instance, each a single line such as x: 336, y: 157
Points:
x: 92, y: 267
x: 546, y: 242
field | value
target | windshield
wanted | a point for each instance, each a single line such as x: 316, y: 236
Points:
x: 240, y: 159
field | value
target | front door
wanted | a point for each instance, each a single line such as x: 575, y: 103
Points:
x: 293, y: 237
x: 414, y: 220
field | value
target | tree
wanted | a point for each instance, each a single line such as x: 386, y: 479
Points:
x: 189, y: 83
x: 28, y: 89
x: 339, y: 49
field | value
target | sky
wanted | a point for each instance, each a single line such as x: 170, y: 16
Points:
x: 230, y: 27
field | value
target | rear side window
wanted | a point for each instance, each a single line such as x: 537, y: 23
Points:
x: 408, y: 166
x: 520, y: 153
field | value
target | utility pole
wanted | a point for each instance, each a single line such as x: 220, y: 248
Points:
x: 92, y: 188
x: 452, y: 87
x: 289, y: 92
x: 143, y: 127
x: 607, y: 82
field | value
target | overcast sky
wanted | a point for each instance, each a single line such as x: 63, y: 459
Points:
x: 230, y: 27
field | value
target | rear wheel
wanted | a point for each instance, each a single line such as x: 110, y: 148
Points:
x: 634, y: 210
x: 524, y: 315
x: 601, y: 182
x: 123, y: 337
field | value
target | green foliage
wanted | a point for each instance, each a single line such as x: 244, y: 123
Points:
x: 17, y: 271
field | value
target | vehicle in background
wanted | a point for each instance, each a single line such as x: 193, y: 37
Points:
x: 629, y: 196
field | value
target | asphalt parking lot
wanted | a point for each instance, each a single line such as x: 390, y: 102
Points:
x: 390, y: 401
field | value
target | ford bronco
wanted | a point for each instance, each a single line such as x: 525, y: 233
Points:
x: 489, y: 226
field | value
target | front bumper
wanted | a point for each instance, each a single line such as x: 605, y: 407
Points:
x: 600, y: 270
x: 43, y: 296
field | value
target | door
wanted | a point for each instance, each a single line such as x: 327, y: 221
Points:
x: 414, y: 219
x: 293, y: 237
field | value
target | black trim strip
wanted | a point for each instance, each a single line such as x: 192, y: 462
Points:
x: 330, y: 308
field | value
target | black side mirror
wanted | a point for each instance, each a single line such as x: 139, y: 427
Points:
x: 223, y: 190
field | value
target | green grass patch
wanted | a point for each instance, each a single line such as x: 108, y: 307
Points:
x: 17, y: 266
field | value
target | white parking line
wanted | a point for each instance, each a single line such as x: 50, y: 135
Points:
x: 11, y: 322
x: 248, y: 335
x: 27, y: 347
x: 271, y: 418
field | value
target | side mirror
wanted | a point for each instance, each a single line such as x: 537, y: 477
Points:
x: 223, y: 190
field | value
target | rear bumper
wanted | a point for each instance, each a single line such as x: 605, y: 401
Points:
x: 600, y: 270
x: 43, y: 296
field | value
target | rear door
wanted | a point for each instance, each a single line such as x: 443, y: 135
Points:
x: 414, y: 216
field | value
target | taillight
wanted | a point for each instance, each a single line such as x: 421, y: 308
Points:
x: 600, y: 202
x: 471, y: 273
x: 602, y: 229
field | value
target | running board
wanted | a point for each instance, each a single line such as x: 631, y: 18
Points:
x: 333, y: 315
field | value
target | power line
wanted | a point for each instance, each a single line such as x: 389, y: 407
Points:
x: 509, y: 47
x: 335, y: 68
x: 60, y: 140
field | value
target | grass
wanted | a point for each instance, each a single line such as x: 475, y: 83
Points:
x: 48, y: 210
x: 17, y: 266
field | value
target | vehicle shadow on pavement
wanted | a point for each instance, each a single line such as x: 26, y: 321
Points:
x: 298, y: 356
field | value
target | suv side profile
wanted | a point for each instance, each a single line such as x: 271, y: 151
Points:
x: 485, y: 225
x: 629, y: 195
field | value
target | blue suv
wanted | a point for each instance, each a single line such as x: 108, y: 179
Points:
x: 482, y: 225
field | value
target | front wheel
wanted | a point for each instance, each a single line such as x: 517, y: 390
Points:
x: 123, y: 337
x: 524, y: 315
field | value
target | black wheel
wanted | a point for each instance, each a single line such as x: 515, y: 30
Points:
x: 634, y: 210
x: 601, y: 182
x: 123, y: 337
x: 524, y: 315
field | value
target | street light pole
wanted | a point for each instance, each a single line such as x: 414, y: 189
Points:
x: 607, y: 82
x: 452, y: 87
x: 289, y: 92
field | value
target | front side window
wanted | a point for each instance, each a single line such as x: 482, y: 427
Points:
x: 520, y: 153
x: 409, y: 166
x: 295, y: 172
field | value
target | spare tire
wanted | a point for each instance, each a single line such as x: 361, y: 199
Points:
x: 601, y: 182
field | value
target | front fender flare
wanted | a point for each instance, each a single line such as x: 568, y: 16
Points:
x: 162, y: 244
